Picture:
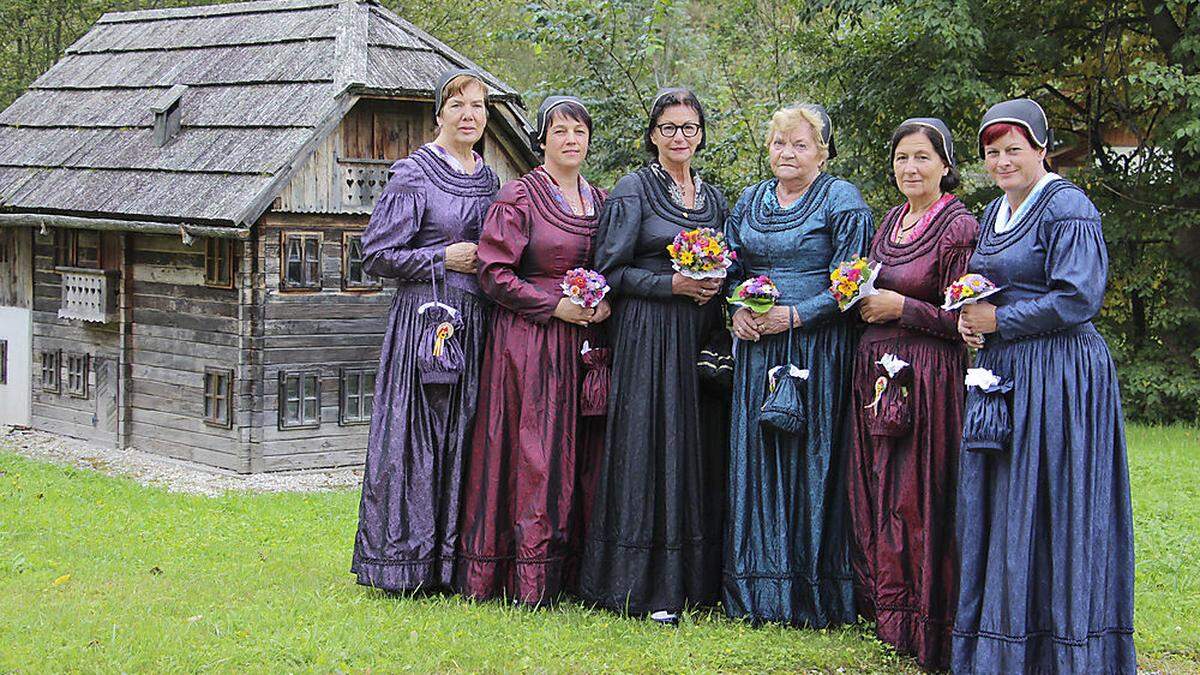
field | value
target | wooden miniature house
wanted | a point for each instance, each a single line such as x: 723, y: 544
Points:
x: 182, y: 197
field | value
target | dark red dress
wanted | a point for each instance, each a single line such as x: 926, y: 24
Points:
x: 902, y: 487
x: 533, y: 454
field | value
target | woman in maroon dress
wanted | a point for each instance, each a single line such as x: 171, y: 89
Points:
x: 532, y: 453
x: 908, y: 419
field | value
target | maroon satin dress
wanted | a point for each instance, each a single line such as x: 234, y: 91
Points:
x: 533, y: 454
x: 902, y: 486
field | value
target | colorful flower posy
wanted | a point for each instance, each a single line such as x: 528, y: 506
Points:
x: 701, y: 253
x: 851, y: 281
x: 758, y: 294
x: 584, y: 287
x: 970, y: 288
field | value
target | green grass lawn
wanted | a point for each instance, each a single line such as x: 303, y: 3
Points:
x: 101, y: 574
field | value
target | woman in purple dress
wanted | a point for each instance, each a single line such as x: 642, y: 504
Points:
x: 907, y: 422
x: 422, y: 233
x: 532, y: 448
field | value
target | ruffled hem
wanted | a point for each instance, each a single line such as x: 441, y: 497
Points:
x: 1103, y: 650
x: 790, y: 599
x: 399, y: 576
x: 536, y: 581
x: 620, y: 582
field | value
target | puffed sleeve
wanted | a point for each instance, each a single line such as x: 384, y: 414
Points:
x: 616, y: 244
x: 1076, y: 274
x: 953, y: 253
x: 733, y: 237
x: 395, y: 221
x: 501, y: 247
x: 852, y: 227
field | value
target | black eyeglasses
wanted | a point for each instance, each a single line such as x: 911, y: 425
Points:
x: 668, y: 130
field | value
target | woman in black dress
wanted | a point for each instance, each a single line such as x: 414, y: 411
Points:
x: 654, y: 543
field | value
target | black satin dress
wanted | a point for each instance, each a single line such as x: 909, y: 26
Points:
x: 654, y: 541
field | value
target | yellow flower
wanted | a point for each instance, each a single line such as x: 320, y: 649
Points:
x: 686, y: 257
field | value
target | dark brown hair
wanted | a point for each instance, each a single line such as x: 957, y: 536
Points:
x: 951, y: 180
x: 666, y: 99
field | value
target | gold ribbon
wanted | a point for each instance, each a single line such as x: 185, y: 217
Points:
x: 444, y: 331
x: 881, y: 386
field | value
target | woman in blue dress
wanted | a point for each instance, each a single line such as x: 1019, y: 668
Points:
x: 1044, y: 519
x: 787, y: 532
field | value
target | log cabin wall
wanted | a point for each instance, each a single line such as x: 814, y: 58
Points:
x: 89, y: 410
x: 330, y: 331
x: 182, y: 328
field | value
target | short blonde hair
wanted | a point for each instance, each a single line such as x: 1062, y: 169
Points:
x: 458, y: 85
x: 791, y: 118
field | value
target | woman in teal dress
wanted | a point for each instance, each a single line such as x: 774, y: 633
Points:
x: 787, y: 532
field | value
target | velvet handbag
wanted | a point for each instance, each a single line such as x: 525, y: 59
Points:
x: 891, y: 413
x: 440, y: 358
x: 987, y: 425
x: 593, y: 394
x: 715, y: 363
x: 783, y: 408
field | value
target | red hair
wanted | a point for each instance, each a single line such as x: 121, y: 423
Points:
x: 994, y: 132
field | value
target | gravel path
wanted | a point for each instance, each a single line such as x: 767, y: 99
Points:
x: 173, y: 474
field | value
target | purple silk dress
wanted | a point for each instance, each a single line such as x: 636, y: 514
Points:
x: 408, y: 517
x: 902, y: 486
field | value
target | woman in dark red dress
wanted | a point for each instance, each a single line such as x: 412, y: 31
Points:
x: 908, y: 420
x: 532, y: 453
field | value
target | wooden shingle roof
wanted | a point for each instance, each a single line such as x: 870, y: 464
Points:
x: 265, y: 82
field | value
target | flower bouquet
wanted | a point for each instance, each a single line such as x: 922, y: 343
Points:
x: 584, y: 287
x: 701, y: 254
x: 757, y: 294
x: 852, y: 281
x: 969, y: 289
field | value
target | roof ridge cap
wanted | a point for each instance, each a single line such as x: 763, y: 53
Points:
x: 350, y: 45
x: 213, y: 10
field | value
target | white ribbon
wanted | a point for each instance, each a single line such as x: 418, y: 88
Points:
x: 982, y: 378
x: 794, y: 371
x: 892, y: 364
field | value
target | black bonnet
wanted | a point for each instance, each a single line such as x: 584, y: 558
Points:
x: 941, y: 129
x: 826, y: 126
x: 543, y: 116
x: 440, y: 92
x: 1023, y: 111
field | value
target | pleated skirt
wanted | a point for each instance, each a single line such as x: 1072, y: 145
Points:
x: 408, y: 515
x: 1045, y: 528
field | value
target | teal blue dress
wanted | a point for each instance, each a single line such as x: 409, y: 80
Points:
x: 786, y: 556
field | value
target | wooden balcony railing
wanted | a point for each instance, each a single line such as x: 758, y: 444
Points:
x: 362, y: 181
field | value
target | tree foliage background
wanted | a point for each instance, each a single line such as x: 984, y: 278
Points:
x: 1126, y: 70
